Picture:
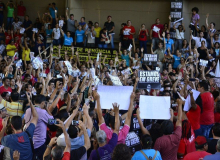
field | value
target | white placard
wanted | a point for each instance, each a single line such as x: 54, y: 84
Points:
x: 203, y: 62
x: 22, y: 30
x: 61, y: 22
x: 115, y: 80
x: 112, y: 94
x: 126, y: 32
x: 129, y: 48
x: 156, y: 29
x: 35, y: 30
x: 154, y: 107
x: 187, y: 105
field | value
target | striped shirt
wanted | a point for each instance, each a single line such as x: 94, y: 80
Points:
x: 13, y: 108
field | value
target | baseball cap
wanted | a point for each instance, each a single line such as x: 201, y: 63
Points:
x: 200, y: 140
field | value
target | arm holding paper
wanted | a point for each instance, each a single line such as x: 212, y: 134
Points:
x: 193, y: 103
x: 179, y: 118
x: 99, y: 110
x: 130, y: 110
x: 143, y: 129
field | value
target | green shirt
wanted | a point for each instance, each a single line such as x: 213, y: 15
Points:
x: 10, y: 12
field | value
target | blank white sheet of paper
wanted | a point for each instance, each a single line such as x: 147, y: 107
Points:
x: 112, y: 94
x: 187, y: 104
x: 154, y: 107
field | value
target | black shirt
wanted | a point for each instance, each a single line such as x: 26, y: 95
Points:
x: 212, y: 146
x: 202, y: 53
x: 109, y: 26
x: 77, y: 154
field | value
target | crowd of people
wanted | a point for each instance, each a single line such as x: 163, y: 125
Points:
x: 46, y: 112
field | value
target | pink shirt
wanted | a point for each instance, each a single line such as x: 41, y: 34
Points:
x: 121, y: 136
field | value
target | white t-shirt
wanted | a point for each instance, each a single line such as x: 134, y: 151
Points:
x: 179, y: 35
x: 56, y: 32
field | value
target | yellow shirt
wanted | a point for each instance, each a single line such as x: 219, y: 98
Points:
x: 97, y: 30
x: 27, y: 52
x: 13, y: 108
x: 12, y: 52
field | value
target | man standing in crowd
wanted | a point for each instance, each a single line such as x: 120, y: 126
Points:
x: 129, y: 32
x: 53, y: 12
x: 6, y: 85
x: 71, y: 25
x: 40, y: 133
x: 110, y: 26
x: 154, y: 33
x: 201, y: 149
x: 215, y: 156
x: 21, y: 11
x: 207, y: 116
x: 19, y: 140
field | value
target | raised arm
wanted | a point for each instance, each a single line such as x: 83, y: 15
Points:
x: 193, y: 103
x: 143, y: 129
x: 130, y: 109
x: 89, y: 119
x: 117, y: 121
x: 33, y: 110
x: 87, y: 144
x: 169, y: 24
x: 119, y: 48
x: 207, y: 20
x: 179, y: 116
x: 72, y: 116
x: 67, y: 16
x: 99, y: 110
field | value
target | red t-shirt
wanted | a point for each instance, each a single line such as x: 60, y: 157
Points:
x: 207, y: 116
x: 19, y: 37
x: 167, y: 145
x: 21, y: 10
x: 7, y: 38
x: 187, y: 146
x: 217, y: 117
x: 194, y: 117
x: 143, y: 36
x: 155, y: 34
x: 47, y: 70
x: 66, y: 156
x: 196, y: 155
x: 2, y: 89
x: 129, y: 29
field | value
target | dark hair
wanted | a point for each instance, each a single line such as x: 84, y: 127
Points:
x: 63, y: 114
x: 213, y: 23
x: 39, y: 99
x: 53, y: 3
x: 155, y: 132
x: 195, y: 9
x: 72, y: 131
x: 204, y: 84
x: 26, y: 86
x: 121, y: 152
x: 57, y: 153
x: 16, y: 122
x: 83, y: 18
x: 26, y: 75
x: 3, y: 80
x: 15, y: 96
x: 112, y: 121
x: 51, y: 81
x: 186, y: 129
x: 218, y: 106
x: 167, y: 127
x: 146, y: 141
x: 128, y: 21
x: 4, y: 94
x: 215, y: 94
x: 71, y: 15
x: 216, y: 129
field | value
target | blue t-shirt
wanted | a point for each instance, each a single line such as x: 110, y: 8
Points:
x: 67, y: 40
x: 149, y: 152
x: 176, y: 61
x: 49, y: 32
x: 52, y: 12
x: 20, y: 142
x: 126, y: 57
x: 169, y: 44
x: 79, y: 36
